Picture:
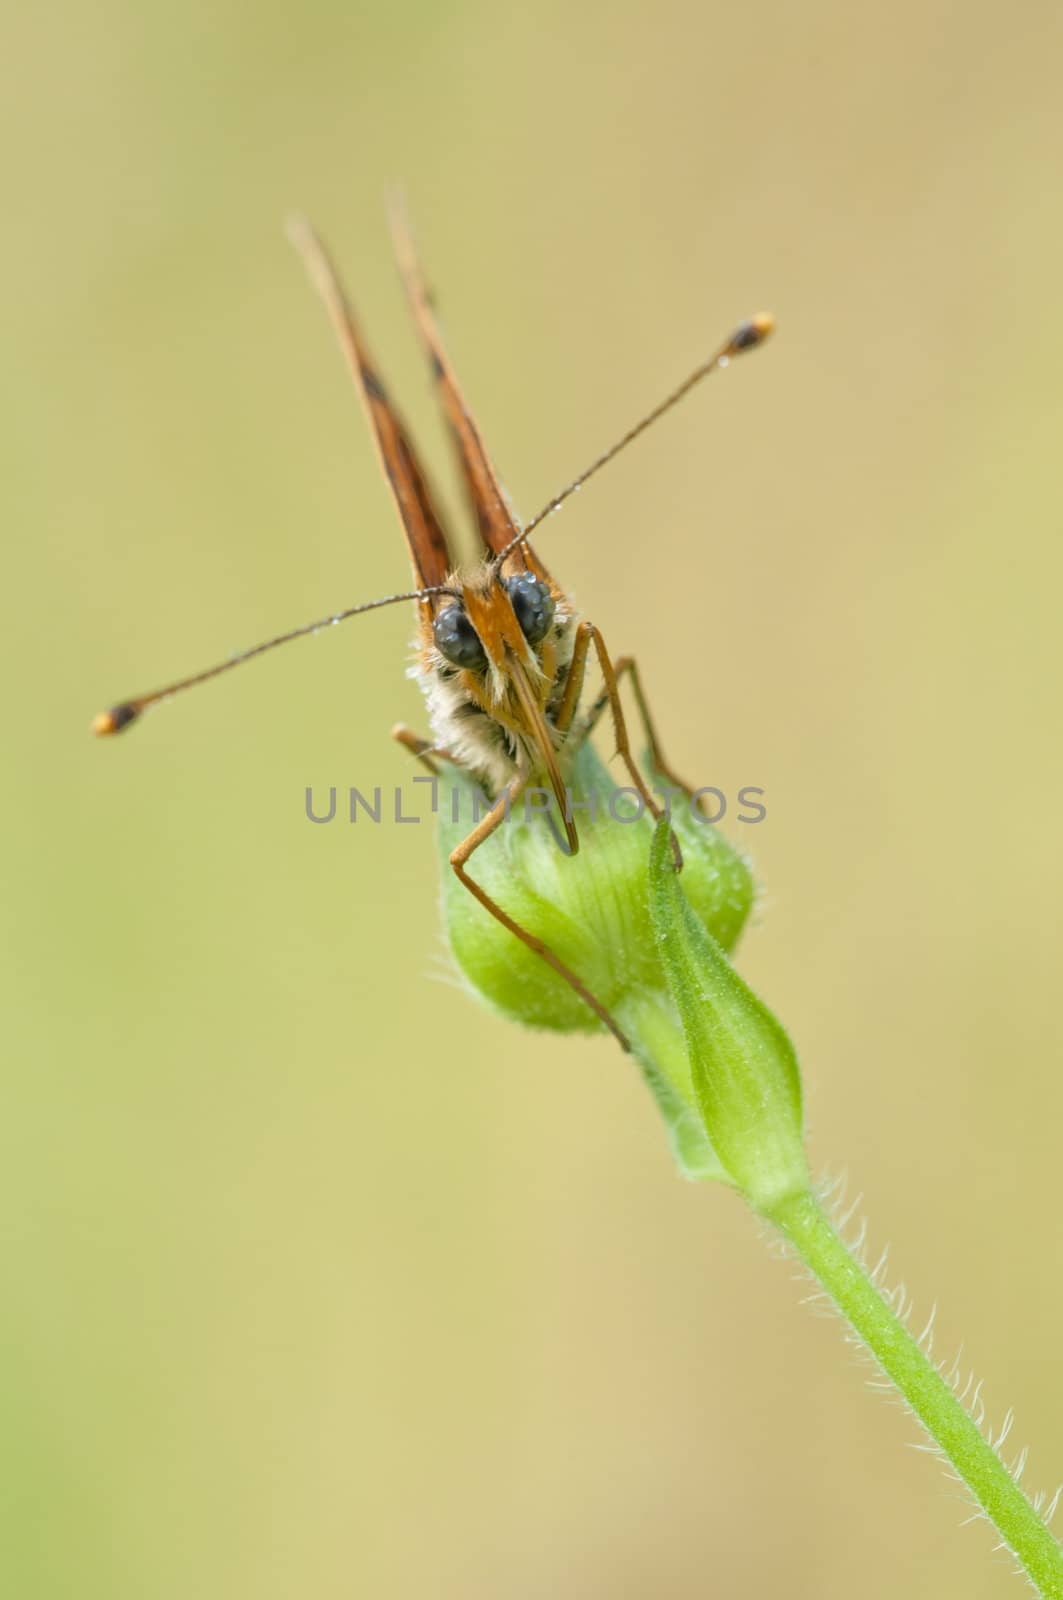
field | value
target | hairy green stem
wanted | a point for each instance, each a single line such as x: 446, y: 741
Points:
x: 953, y: 1430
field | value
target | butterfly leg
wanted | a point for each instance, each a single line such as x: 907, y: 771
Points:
x: 422, y: 750
x: 458, y: 859
x: 586, y: 635
x: 627, y: 667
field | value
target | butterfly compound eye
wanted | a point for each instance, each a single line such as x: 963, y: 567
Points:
x: 533, y: 604
x: 457, y: 639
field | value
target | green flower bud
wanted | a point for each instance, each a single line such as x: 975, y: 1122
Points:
x: 743, y: 1066
x: 593, y: 910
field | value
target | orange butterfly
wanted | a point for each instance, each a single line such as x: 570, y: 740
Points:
x: 501, y: 650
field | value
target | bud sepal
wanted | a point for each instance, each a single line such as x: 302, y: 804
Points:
x: 743, y: 1067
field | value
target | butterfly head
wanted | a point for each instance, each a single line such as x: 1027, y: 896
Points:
x: 495, y: 620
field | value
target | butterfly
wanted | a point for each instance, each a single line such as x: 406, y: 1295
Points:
x: 501, y: 650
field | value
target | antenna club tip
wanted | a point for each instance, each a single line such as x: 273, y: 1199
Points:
x: 752, y: 333
x: 113, y: 721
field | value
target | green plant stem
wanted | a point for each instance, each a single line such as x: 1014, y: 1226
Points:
x: 952, y: 1429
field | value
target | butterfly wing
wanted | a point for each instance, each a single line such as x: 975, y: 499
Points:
x: 497, y: 525
x: 425, y: 535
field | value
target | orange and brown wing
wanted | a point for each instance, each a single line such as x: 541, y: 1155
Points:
x: 425, y: 535
x: 497, y: 525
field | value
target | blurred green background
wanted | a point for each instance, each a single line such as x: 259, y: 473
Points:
x: 319, y: 1280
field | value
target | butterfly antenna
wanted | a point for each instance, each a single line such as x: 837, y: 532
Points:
x: 127, y: 711
x: 747, y: 337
